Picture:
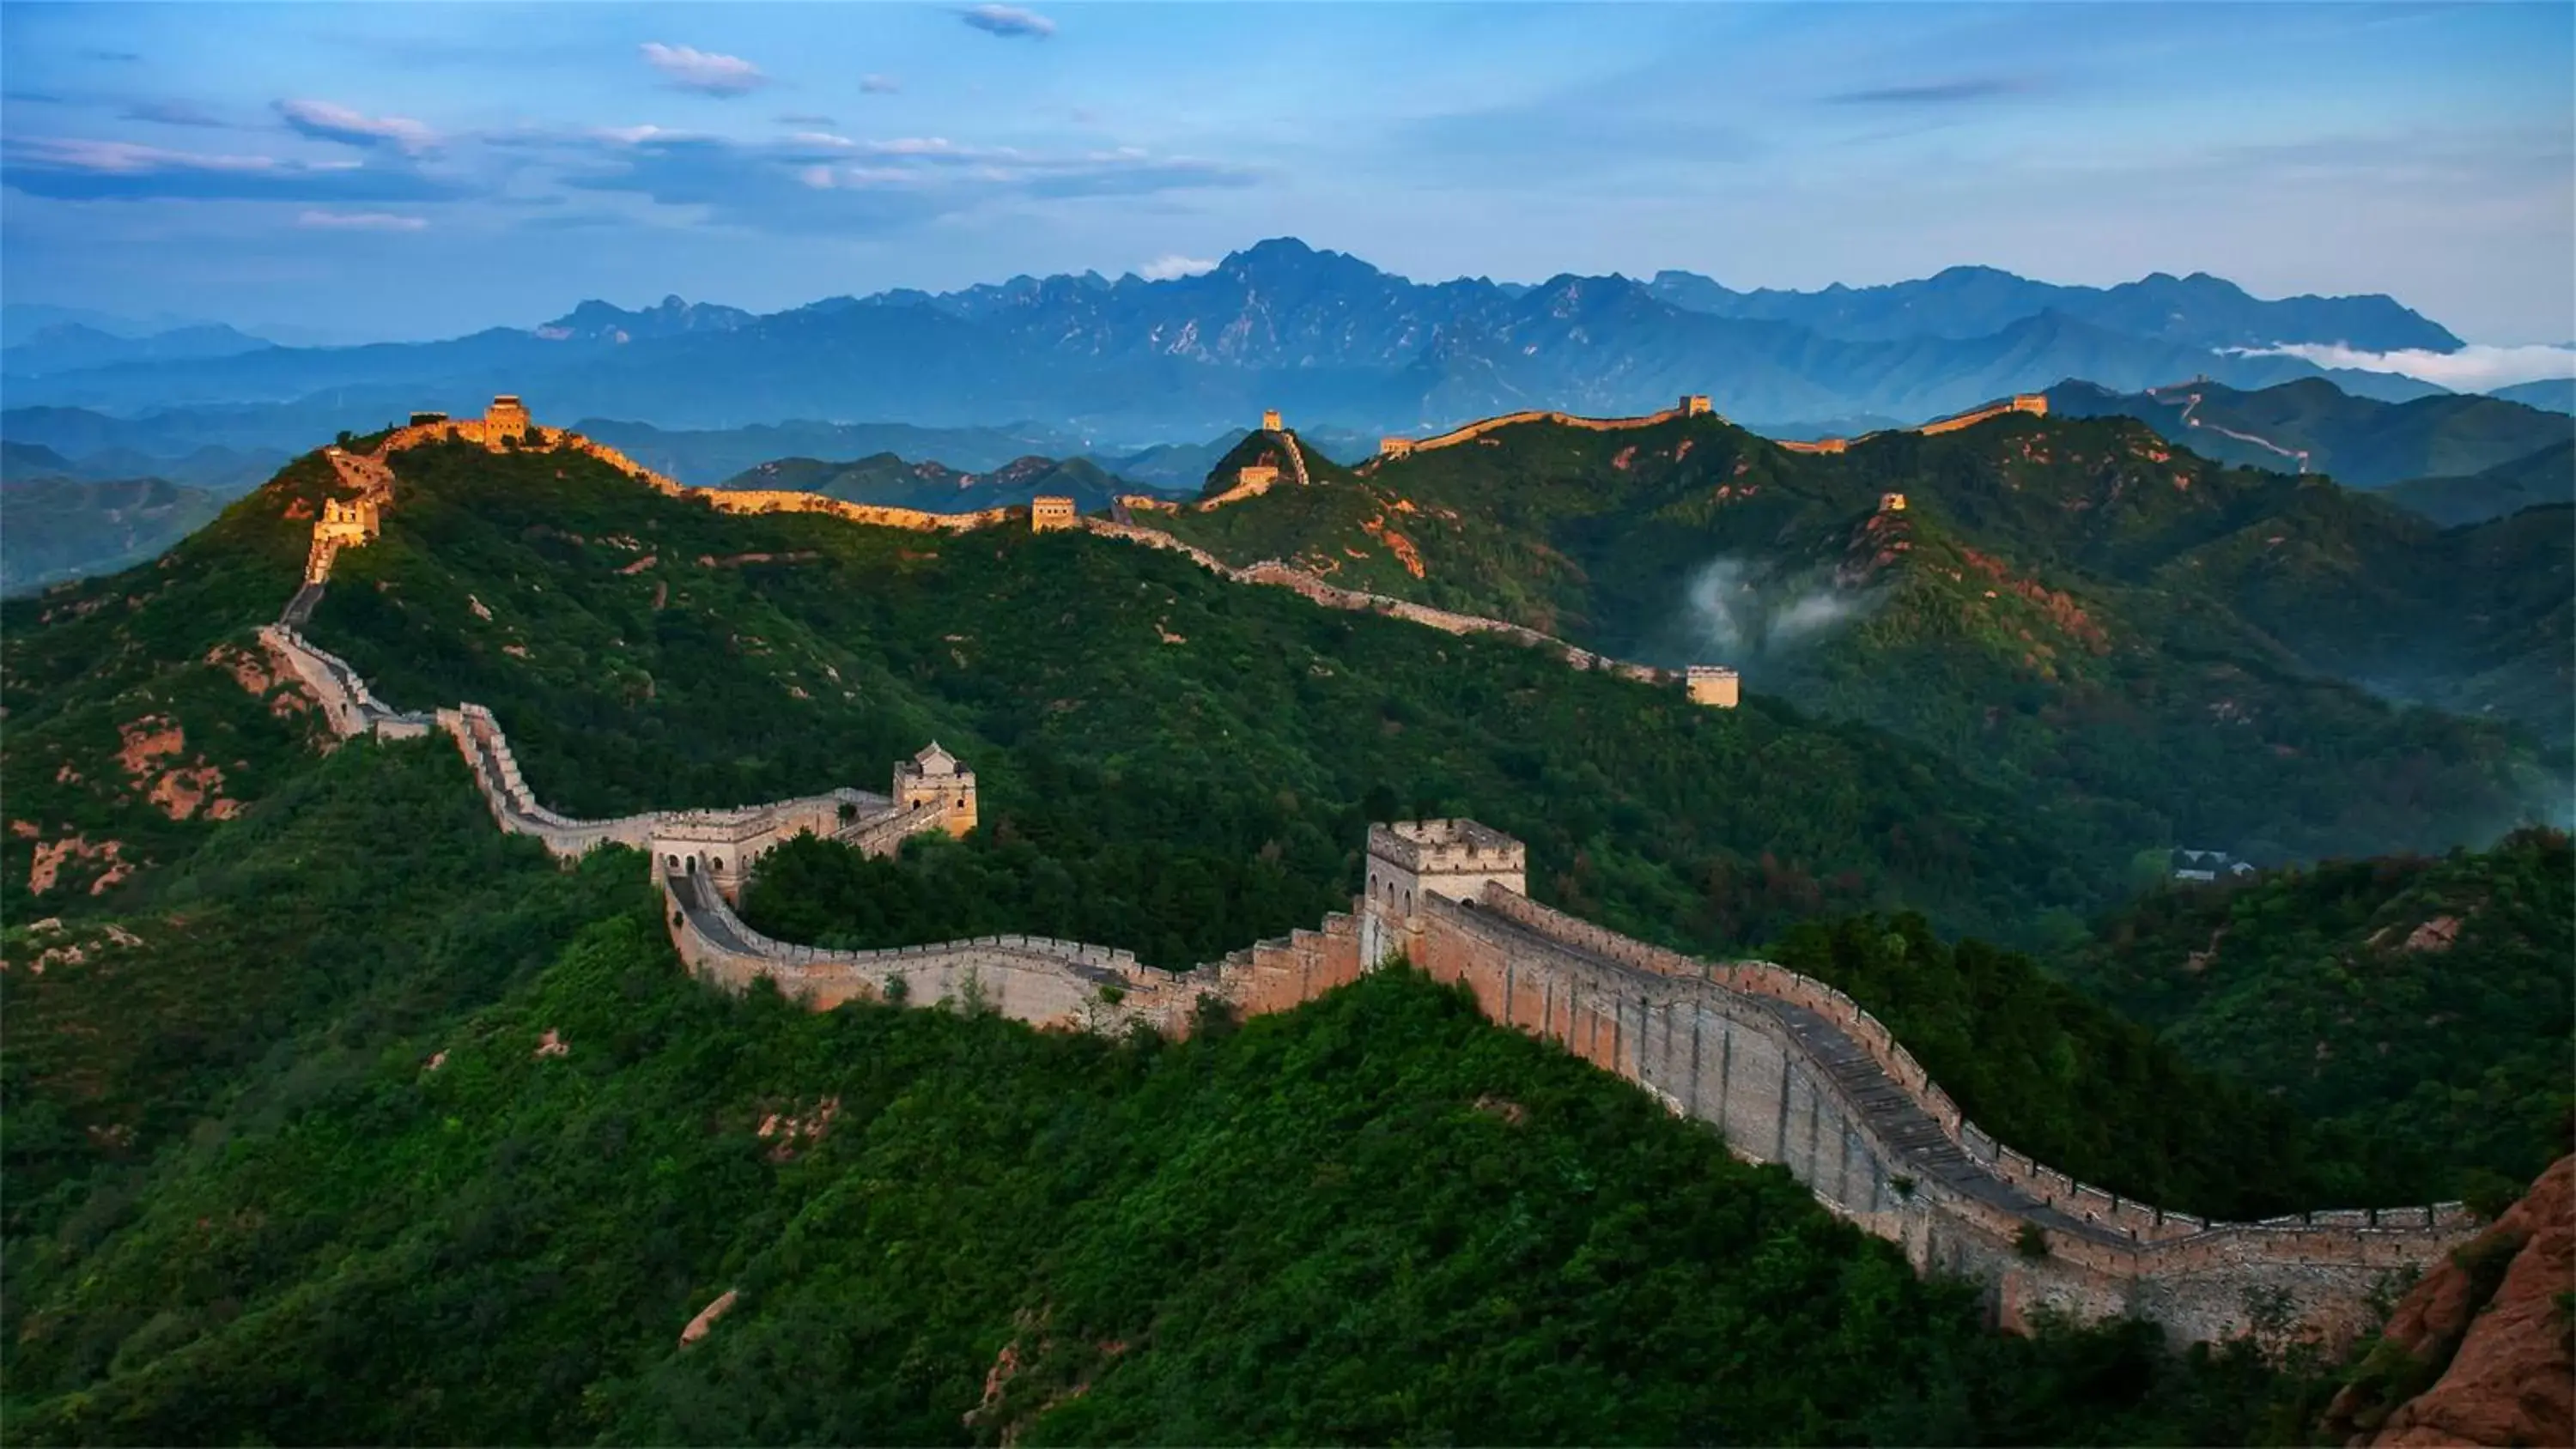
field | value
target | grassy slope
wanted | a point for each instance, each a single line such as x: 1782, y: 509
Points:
x: 2064, y: 607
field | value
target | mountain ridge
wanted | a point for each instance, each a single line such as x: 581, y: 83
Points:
x: 1277, y: 324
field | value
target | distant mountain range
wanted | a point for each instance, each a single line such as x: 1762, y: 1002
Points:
x: 1327, y: 337
x: 887, y: 479
x: 2363, y: 442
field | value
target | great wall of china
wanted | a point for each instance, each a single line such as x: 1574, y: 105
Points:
x: 2028, y: 402
x: 1790, y: 1070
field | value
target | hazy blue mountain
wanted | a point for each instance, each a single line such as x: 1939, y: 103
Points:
x: 2531, y: 481
x: 2552, y: 394
x: 597, y: 321
x: 70, y: 346
x: 2363, y: 442
x: 67, y: 528
x: 21, y: 321
x: 1323, y: 336
x: 1961, y: 302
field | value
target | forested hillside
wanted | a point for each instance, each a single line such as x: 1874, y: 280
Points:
x: 332, y: 1114
x: 2417, y: 1008
x: 2059, y: 608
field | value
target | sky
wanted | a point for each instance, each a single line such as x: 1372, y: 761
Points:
x: 394, y: 170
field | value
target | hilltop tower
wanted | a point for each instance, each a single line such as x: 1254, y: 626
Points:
x: 506, y: 418
x: 1270, y: 422
x: 1394, y: 447
x: 1049, y: 514
x: 1891, y: 503
x: 2030, y: 402
x: 934, y: 777
x: 1695, y: 404
x: 1713, y: 684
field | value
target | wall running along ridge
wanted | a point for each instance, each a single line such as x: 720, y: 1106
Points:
x: 2028, y: 402
x: 1789, y: 1069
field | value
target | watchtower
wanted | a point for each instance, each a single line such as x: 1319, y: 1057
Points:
x: 1049, y: 514
x: 935, y: 777
x: 1891, y: 503
x: 2030, y: 402
x: 352, y: 522
x: 506, y: 418
x: 1394, y: 447
x: 1455, y: 859
x: 1270, y: 422
x: 1695, y: 404
x: 1712, y: 684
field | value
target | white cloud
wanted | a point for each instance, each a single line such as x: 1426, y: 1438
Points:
x: 1165, y: 268
x: 703, y: 71
x: 360, y: 221
x: 2474, y: 368
x: 1007, y: 20
x: 879, y: 85
x: 324, y: 121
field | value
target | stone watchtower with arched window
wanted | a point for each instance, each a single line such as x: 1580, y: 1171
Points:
x: 934, y: 777
x: 1411, y: 860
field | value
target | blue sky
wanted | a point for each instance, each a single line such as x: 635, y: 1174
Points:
x: 402, y: 170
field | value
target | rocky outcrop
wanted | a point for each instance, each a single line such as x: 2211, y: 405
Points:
x: 2478, y: 1352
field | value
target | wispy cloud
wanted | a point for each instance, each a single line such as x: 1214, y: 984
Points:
x: 794, y: 118
x: 703, y: 71
x: 879, y: 85
x: 1933, y: 93
x: 819, y: 181
x: 84, y: 170
x: 2474, y: 368
x: 172, y: 113
x: 361, y: 221
x: 1166, y: 268
x: 1007, y: 20
x: 120, y: 57
x: 324, y: 121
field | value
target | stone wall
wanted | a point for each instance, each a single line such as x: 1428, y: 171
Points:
x: 1278, y: 574
x: 773, y: 500
x: 2028, y: 402
x: 1794, y: 1072
x: 1399, y: 447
